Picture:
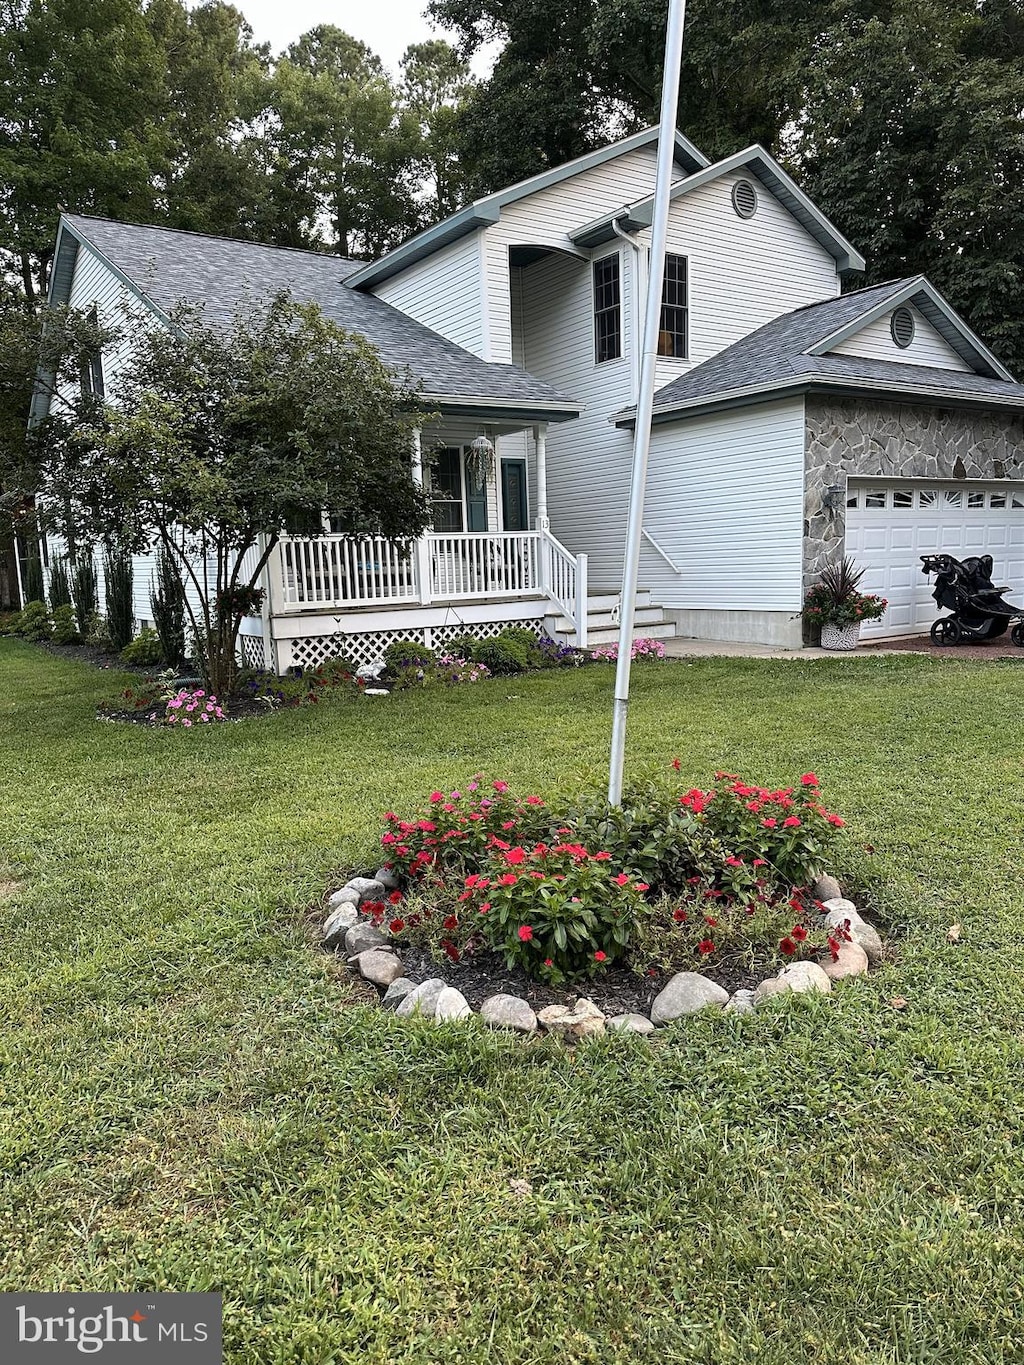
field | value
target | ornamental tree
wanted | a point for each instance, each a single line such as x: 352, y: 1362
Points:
x: 223, y: 438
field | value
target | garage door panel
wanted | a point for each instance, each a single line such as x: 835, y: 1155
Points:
x: 887, y: 538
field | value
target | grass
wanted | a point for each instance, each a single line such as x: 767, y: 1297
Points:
x: 193, y: 1100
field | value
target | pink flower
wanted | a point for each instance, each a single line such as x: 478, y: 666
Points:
x: 600, y: 957
x: 769, y: 823
x: 500, y: 787
x: 534, y: 801
x: 437, y: 796
x: 525, y: 933
x: 809, y: 780
x: 791, y: 822
x: 186, y: 722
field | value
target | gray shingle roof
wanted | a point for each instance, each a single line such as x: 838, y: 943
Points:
x: 773, y: 358
x: 222, y: 275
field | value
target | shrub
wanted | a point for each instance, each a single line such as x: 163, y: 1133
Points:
x: 96, y: 632
x: 409, y: 664
x: 33, y: 584
x: 65, y: 627
x: 145, y: 651
x: 118, y: 576
x: 519, y: 635
x: 451, y: 669
x: 836, y: 598
x: 549, y: 653
x: 34, y: 622
x: 85, y: 590
x: 463, y: 646
x: 60, y: 583
x: 167, y: 602
x: 501, y: 657
x: 642, y: 650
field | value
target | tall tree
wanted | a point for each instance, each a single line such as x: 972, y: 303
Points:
x: 436, y: 82
x: 79, y: 107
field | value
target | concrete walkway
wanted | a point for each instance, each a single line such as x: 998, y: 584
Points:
x: 684, y: 648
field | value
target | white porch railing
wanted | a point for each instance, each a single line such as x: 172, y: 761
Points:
x: 338, y: 571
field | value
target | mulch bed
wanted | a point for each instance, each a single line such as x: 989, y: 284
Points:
x: 618, y: 991
x: 1001, y: 648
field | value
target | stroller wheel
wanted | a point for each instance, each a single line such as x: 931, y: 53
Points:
x: 946, y: 631
x: 1017, y: 634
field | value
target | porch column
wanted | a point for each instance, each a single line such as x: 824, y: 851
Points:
x: 422, y: 545
x: 540, y: 433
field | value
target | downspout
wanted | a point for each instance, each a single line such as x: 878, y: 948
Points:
x: 636, y: 321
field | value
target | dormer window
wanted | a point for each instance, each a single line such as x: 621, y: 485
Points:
x: 673, y: 332
x: 607, y: 309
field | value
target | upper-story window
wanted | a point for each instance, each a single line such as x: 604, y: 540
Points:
x: 91, y: 371
x: 673, y: 332
x: 607, y: 309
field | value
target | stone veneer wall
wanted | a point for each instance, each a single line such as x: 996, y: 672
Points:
x: 847, y: 438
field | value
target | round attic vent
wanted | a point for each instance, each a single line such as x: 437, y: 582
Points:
x: 744, y: 198
x: 902, y: 327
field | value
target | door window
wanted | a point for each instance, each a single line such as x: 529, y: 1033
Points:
x: 446, y: 490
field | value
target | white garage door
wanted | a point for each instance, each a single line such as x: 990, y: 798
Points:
x: 889, y: 526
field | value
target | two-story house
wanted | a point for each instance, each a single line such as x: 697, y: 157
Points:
x: 793, y: 422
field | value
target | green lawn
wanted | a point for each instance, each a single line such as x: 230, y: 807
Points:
x: 191, y: 1101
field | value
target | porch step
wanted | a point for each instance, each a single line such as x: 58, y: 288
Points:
x: 602, y: 628
x: 604, y: 620
x: 604, y: 599
x: 609, y: 635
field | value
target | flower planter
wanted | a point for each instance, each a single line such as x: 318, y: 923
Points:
x: 840, y: 637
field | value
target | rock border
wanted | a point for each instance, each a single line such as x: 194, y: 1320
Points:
x: 374, y: 955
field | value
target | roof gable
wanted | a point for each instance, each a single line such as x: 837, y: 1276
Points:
x: 764, y: 168
x: 486, y: 211
x: 164, y: 266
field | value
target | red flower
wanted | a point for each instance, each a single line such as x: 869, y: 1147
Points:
x: 396, y: 926
x: 734, y: 862
x: 395, y: 897
x: 484, y: 908
x: 809, y: 780
x: 621, y: 879
x: 602, y: 857
x: 600, y: 957
x: 769, y: 823
x: 705, y: 946
x: 642, y: 886
x: 534, y: 801
x: 798, y: 932
x: 676, y: 764
x: 437, y: 796
x: 500, y: 787
x: 709, y: 919
x: 525, y: 933
x: 509, y: 824
x: 679, y: 916
x: 791, y: 822
x: 472, y: 879
x: 515, y: 855
x: 788, y: 947
x: 548, y: 962
x: 835, y: 820
x: 450, y: 949
x: 509, y: 879
x: 450, y: 922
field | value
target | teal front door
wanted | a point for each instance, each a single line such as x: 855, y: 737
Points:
x: 513, y: 494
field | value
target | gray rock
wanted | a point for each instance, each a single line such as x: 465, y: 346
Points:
x: 337, y: 924
x: 378, y: 966
x: 508, y: 1011
x: 451, y: 1004
x: 851, y: 960
x: 686, y: 993
x: 837, y: 905
x: 423, y: 1000
x: 826, y: 888
x: 800, y: 978
x: 369, y: 888
x: 387, y: 878
x: 346, y: 896
x: 630, y: 1023
x: 862, y: 933
x: 361, y: 938
x: 741, y: 1002
x: 397, y: 991
x: 583, y: 1020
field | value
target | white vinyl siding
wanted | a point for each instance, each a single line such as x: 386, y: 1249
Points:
x: 94, y: 285
x: 444, y: 292
x: 725, y: 502
x: 743, y: 272
x: 927, y: 348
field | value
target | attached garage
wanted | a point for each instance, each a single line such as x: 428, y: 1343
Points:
x: 890, y: 524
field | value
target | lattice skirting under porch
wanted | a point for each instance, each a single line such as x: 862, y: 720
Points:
x: 254, y: 655
x: 366, y: 647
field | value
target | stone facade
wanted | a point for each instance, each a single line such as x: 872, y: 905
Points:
x: 849, y: 438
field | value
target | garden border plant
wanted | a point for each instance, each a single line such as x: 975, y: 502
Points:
x: 569, y: 892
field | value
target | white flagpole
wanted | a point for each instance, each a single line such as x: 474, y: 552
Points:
x: 645, y: 397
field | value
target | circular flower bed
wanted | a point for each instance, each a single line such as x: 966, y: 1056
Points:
x: 675, y: 900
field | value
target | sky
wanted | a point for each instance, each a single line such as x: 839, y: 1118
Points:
x: 386, y: 26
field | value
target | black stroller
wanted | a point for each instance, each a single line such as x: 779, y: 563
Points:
x: 980, y: 612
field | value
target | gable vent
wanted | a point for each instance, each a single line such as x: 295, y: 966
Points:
x: 744, y: 198
x: 902, y: 326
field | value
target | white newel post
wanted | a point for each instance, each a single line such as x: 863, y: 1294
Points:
x: 581, y: 601
x: 422, y: 547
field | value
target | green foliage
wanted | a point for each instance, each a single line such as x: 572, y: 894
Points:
x: 501, y: 656
x: 85, y: 590
x: 34, y: 622
x: 96, y: 632
x: 60, y: 583
x: 118, y: 577
x: 167, y: 601
x: 65, y: 626
x: 145, y: 651
x: 409, y: 664
x: 836, y: 599
x: 33, y: 580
